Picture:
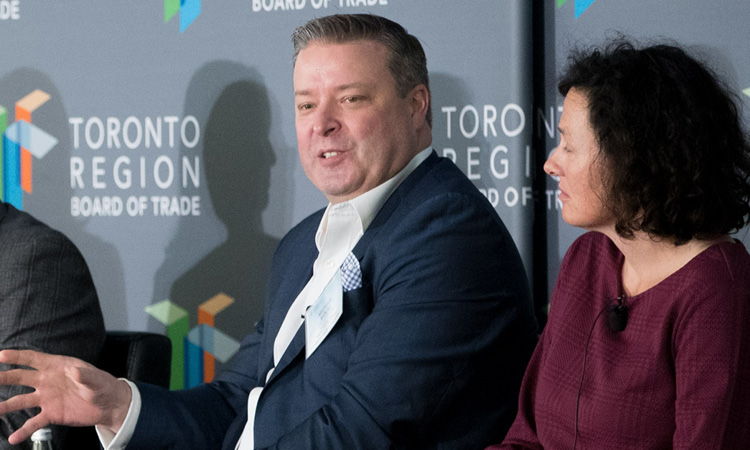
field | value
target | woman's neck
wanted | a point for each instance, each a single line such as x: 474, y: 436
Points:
x: 648, y: 261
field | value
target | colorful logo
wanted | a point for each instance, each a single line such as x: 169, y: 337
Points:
x: 580, y: 5
x: 20, y: 141
x: 195, y: 351
x: 189, y: 11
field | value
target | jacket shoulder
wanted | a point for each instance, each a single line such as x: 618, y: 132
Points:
x: 19, y: 227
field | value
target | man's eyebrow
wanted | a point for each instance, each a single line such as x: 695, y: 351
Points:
x: 356, y: 85
x: 343, y: 87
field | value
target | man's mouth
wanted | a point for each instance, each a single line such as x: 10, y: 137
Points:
x: 327, y: 155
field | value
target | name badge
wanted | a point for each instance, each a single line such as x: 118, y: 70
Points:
x: 322, y: 315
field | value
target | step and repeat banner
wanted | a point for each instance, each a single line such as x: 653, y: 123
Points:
x: 159, y: 136
x: 163, y: 141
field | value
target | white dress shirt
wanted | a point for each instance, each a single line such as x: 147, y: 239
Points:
x: 339, y: 231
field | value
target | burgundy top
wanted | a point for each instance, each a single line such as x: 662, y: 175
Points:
x: 677, y: 376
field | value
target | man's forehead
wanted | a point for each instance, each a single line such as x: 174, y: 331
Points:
x: 358, y: 58
x: 325, y: 45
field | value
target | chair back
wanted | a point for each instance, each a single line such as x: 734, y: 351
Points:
x: 135, y: 355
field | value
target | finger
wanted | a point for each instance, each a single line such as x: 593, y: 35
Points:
x: 28, y: 358
x: 28, y: 428
x: 19, y: 377
x: 22, y: 401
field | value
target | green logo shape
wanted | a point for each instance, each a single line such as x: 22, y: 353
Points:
x: 177, y: 322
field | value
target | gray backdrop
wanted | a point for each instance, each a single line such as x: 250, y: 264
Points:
x: 201, y: 120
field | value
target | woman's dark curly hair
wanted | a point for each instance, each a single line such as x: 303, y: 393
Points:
x: 676, y: 158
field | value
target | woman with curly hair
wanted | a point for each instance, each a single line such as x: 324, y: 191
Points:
x: 648, y: 343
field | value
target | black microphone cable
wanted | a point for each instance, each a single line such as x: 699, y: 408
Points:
x: 617, y: 320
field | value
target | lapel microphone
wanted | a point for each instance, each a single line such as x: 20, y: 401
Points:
x: 617, y: 314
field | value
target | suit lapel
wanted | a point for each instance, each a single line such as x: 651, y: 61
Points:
x: 296, y: 266
x: 294, y: 349
x: 386, y: 211
x: 360, y: 249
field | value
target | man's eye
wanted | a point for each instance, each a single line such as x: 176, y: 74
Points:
x: 304, y: 106
x: 352, y: 98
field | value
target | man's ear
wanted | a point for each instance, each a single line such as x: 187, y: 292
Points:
x: 419, y: 100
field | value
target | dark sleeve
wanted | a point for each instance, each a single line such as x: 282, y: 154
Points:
x: 48, y: 302
x: 197, y: 418
x: 440, y: 358
x: 522, y: 434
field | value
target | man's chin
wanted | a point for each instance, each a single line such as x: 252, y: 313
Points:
x: 340, y: 195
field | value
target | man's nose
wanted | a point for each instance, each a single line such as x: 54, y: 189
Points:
x: 326, y: 120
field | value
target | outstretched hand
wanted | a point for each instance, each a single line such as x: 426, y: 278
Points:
x: 68, y: 391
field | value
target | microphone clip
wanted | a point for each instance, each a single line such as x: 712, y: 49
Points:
x: 617, y: 314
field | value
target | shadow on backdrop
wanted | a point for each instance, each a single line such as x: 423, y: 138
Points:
x: 233, y: 109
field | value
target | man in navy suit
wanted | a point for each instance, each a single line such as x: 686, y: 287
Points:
x: 398, y: 316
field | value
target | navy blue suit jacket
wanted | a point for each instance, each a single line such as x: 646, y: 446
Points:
x: 428, y: 353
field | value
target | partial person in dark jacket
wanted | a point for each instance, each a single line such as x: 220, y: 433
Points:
x: 47, y: 302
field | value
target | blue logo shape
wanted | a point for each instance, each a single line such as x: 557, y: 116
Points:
x: 581, y: 6
x: 189, y: 10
